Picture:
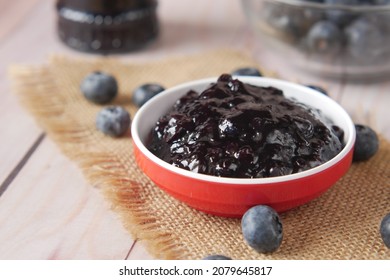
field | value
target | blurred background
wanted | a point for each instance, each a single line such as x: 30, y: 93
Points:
x: 29, y: 29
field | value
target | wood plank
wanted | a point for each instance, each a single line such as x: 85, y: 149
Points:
x: 30, y: 40
x: 50, y: 212
x: 18, y: 132
x: 138, y: 252
x: 18, y: 128
x: 15, y: 172
x: 369, y: 104
x: 14, y: 13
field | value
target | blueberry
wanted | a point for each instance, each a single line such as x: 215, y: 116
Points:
x: 247, y: 71
x: 226, y: 167
x: 304, y: 127
x: 225, y: 78
x: 262, y: 229
x: 324, y: 37
x: 245, y: 155
x: 289, y: 22
x: 338, y: 16
x: 385, y: 230
x: 282, y: 137
x: 318, y: 88
x: 367, y: 143
x: 338, y: 132
x: 145, y: 92
x: 365, y: 40
x: 277, y: 168
x: 216, y: 257
x: 99, y: 87
x: 113, y: 121
x: 227, y: 128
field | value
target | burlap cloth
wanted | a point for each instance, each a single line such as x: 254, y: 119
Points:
x: 341, y: 224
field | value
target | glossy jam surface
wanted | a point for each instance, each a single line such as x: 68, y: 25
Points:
x: 238, y: 130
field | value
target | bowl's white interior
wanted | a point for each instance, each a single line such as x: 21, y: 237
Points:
x: 148, y: 114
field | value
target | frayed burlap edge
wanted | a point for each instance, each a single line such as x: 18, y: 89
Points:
x: 32, y: 85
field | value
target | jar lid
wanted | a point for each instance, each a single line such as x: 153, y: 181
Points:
x: 105, y: 6
x: 106, y: 26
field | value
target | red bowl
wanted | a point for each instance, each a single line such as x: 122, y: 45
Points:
x: 231, y: 197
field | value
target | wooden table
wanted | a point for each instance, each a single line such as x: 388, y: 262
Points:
x: 47, y: 209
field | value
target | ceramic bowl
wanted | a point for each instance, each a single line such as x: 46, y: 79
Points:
x: 231, y: 197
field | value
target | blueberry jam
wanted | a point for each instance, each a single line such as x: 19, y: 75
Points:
x: 233, y: 129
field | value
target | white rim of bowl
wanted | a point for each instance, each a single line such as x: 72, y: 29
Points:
x: 349, y: 142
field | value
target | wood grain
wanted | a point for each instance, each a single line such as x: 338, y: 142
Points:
x: 13, y: 14
x: 48, y: 210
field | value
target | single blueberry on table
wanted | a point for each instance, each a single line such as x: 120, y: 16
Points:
x: 366, y: 144
x: 262, y: 229
x: 324, y: 37
x: 247, y: 71
x: 143, y: 93
x: 385, y: 230
x: 99, y: 87
x: 216, y: 257
x: 318, y: 88
x: 113, y: 121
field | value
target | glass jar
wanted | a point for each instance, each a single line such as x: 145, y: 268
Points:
x: 107, y: 26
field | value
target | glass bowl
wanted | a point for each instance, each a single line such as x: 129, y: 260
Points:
x: 326, y: 37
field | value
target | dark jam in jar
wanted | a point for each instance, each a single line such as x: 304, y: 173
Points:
x: 238, y: 130
x: 107, y: 26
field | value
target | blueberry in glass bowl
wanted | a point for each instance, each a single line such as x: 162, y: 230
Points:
x: 326, y: 37
x: 237, y: 181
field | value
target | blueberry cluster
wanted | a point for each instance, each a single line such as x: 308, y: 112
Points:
x: 101, y: 88
x: 329, y: 33
x: 234, y: 129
